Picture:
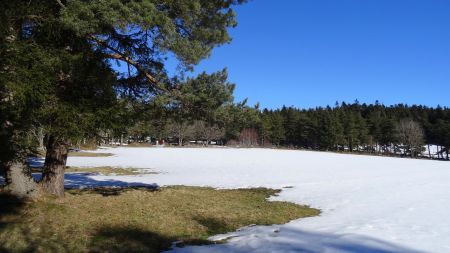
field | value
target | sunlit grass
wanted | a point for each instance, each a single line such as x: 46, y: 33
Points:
x: 142, y: 220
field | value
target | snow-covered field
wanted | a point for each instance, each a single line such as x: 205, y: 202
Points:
x: 369, y: 204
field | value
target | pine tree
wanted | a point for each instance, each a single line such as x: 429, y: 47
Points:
x: 80, y: 39
x: 265, y: 128
x: 277, y: 130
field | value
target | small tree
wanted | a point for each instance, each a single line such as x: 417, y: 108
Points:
x: 249, y: 137
x: 207, y: 132
x: 411, y: 135
x: 180, y: 130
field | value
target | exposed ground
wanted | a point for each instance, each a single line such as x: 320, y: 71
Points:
x: 89, y: 154
x: 108, y: 170
x: 136, y: 219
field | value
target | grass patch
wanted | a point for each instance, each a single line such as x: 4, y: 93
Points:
x: 89, y: 146
x: 136, y: 220
x: 78, y: 154
x: 138, y: 145
x: 106, y: 170
x: 89, y: 154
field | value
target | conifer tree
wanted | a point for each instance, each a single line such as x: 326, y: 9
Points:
x: 81, y: 39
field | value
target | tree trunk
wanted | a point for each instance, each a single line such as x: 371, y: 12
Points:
x: 41, y: 136
x: 54, y: 167
x: 19, y: 181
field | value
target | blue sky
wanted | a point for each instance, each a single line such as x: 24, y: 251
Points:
x: 308, y: 53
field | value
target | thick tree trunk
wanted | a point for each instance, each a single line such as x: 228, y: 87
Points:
x: 19, y: 181
x: 54, y: 167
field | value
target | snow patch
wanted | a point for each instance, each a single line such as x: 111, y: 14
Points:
x: 369, y: 204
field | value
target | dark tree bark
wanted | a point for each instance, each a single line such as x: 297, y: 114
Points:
x: 54, y: 167
x: 19, y: 181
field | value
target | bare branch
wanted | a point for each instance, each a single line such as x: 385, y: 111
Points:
x: 61, y: 4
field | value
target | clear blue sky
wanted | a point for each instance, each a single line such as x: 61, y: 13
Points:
x: 309, y: 53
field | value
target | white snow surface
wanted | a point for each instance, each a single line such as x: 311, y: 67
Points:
x: 369, y: 204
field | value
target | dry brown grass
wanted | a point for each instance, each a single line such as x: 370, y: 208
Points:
x: 136, y: 220
x: 89, y: 154
x: 89, y: 146
x: 79, y: 154
x: 106, y: 170
x: 138, y: 145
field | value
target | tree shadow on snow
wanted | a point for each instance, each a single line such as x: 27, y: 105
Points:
x: 296, y: 240
x: 81, y: 180
x: 85, y: 180
x: 35, y: 162
x: 110, y: 187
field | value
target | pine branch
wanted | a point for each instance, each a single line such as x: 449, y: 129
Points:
x: 117, y: 55
x: 128, y: 60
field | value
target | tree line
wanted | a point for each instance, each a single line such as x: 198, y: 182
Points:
x: 372, y: 128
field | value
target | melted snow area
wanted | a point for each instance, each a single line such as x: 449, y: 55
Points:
x: 369, y: 204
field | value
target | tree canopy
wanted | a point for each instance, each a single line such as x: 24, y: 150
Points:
x: 60, y: 70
